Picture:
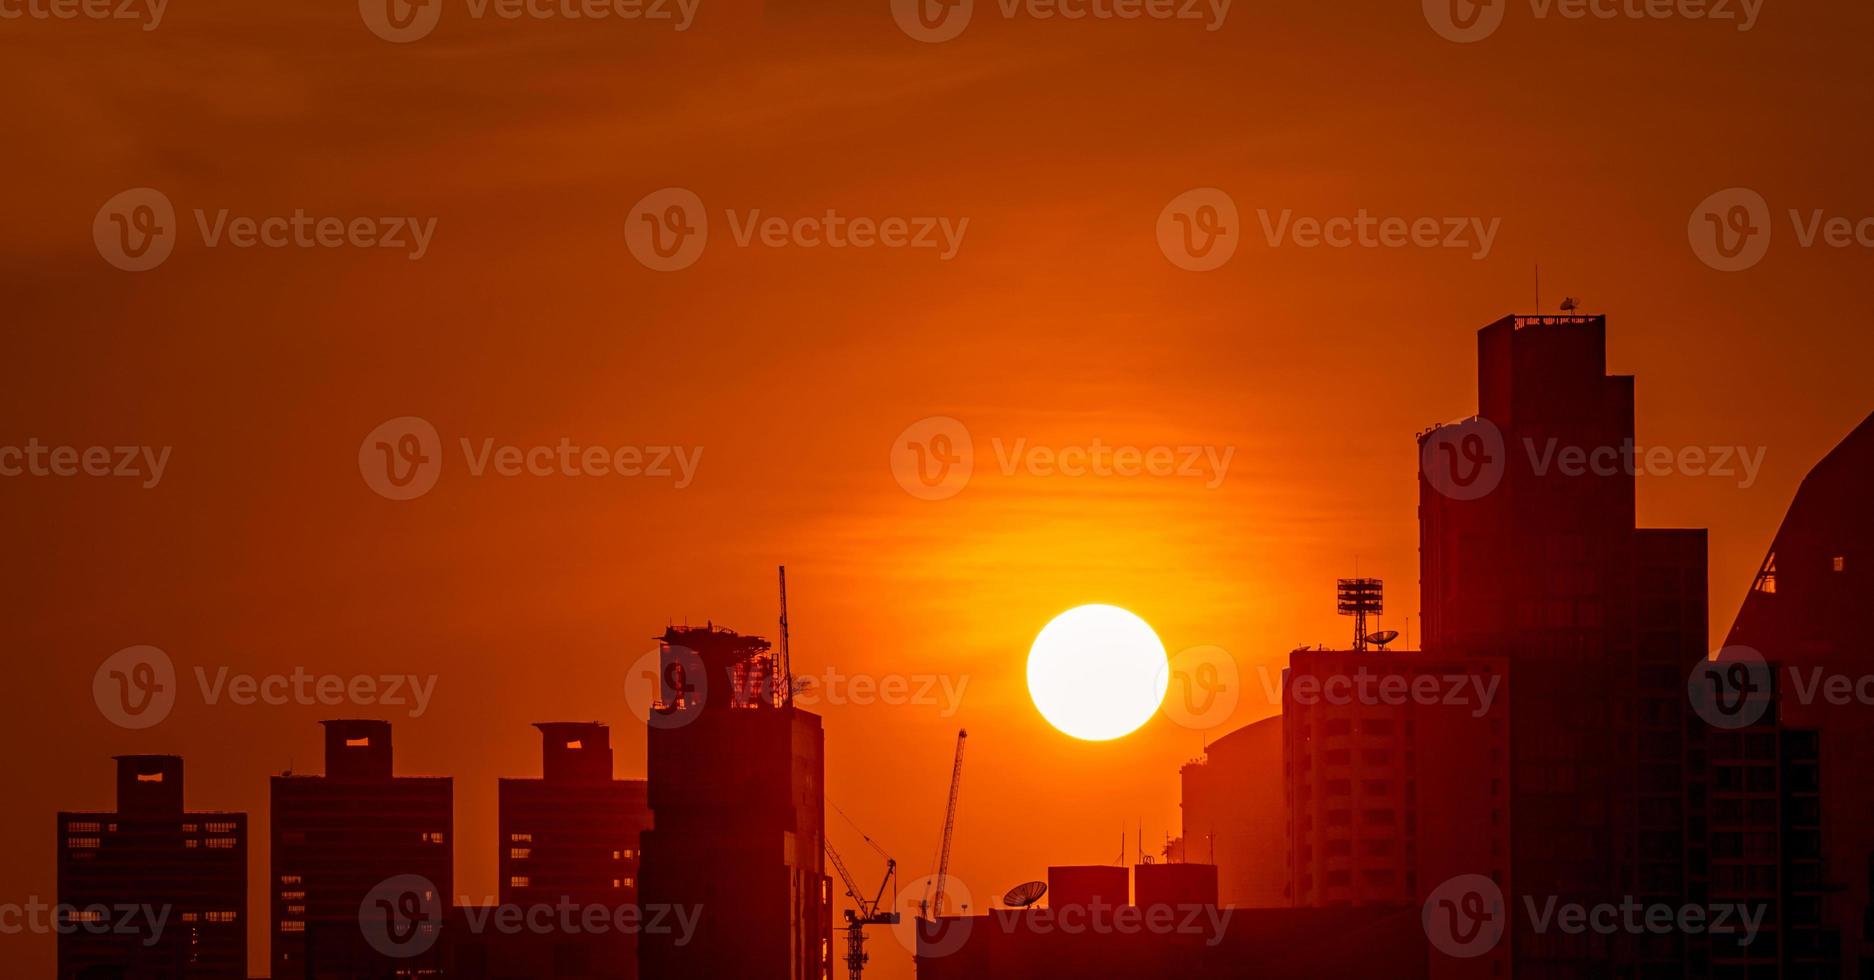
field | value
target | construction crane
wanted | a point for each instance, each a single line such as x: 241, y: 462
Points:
x: 936, y: 905
x: 869, y: 913
x: 786, y: 680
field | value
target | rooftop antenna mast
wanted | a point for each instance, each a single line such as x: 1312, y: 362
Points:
x: 1360, y: 597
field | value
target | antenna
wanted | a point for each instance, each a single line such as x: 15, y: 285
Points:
x: 1538, y: 287
x: 1024, y: 895
x: 1358, y: 597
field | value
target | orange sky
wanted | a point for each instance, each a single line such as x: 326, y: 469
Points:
x: 1058, y: 321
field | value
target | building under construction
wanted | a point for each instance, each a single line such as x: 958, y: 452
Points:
x: 736, y: 794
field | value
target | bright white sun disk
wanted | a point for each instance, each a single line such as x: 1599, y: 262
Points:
x: 1097, y: 672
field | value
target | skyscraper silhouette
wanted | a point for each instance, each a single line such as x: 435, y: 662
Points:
x: 156, y: 892
x: 340, y: 836
x: 737, y: 792
x: 571, y: 837
x: 1806, y: 615
x: 1529, y: 550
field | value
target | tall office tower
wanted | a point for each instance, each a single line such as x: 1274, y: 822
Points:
x: 1233, y: 813
x: 1529, y: 551
x: 738, y: 799
x: 159, y: 893
x: 1807, y: 614
x: 338, y: 839
x: 1397, y: 772
x: 572, y: 838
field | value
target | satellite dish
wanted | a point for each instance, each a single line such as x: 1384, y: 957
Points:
x: 1569, y: 305
x: 1022, y: 896
x: 1383, y: 637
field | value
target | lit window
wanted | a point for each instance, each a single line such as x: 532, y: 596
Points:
x: 82, y: 915
x: 82, y: 828
x: 1841, y: 562
x: 520, y: 881
x: 521, y: 838
x: 432, y: 838
x: 191, y: 917
x: 292, y: 896
x: 292, y: 927
x: 291, y: 880
x: 221, y: 843
x: 191, y: 828
x: 221, y: 828
x: 520, y: 853
x: 80, y: 843
x: 222, y: 916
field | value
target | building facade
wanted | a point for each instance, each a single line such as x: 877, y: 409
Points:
x: 1233, y: 807
x: 736, y: 790
x: 1529, y: 551
x: 570, y: 837
x: 338, y: 840
x: 155, y: 892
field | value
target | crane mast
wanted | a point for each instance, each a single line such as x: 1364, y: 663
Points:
x: 786, y: 679
x: 950, y: 822
x: 868, y: 913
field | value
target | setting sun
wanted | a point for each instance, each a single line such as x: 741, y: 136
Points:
x: 1097, y: 672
